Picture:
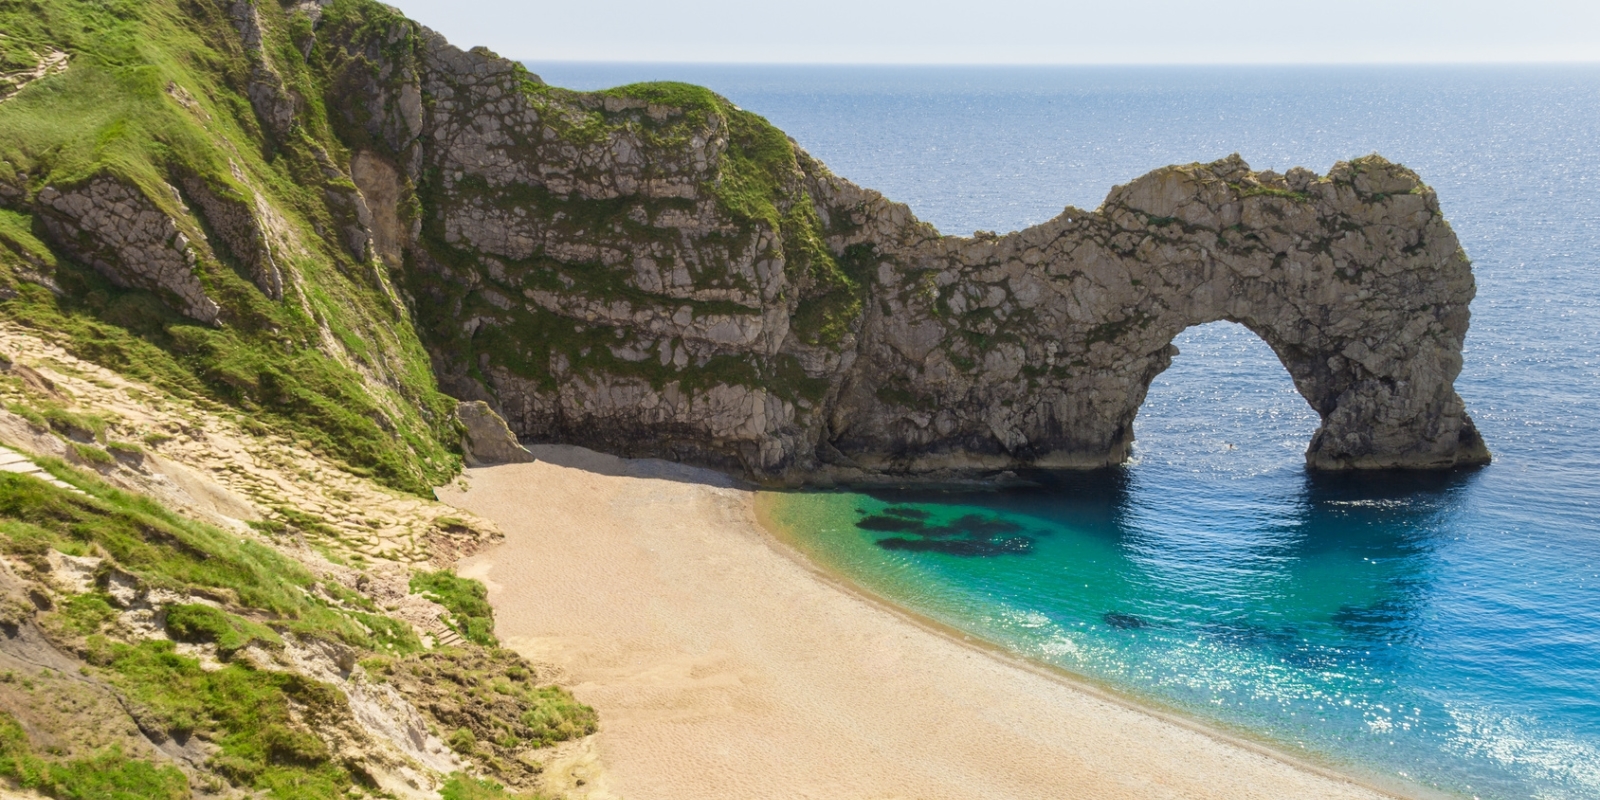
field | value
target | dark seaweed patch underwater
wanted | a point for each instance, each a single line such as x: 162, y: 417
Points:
x: 970, y: 535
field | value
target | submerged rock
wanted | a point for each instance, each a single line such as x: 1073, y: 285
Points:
x: 969, y: 535
x: 1124, y: 622
x: 1013, y: 545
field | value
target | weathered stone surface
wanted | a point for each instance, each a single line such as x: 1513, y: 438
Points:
x: 117, y: 230
x: 1037, y: 348
x: 488, y: 440
x: 240, y: 230
x: 274, y: 104
x: 379, y: 184
x: 597, y: 265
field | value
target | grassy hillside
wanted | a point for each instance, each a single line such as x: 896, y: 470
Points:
x: 224, y: 608
x: 157, y: 95
x: 150, y: 651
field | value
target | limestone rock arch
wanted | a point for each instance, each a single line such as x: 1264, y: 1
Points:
x: 1037, y: 348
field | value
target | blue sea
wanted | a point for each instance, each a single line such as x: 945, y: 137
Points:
x: 1433, y: 631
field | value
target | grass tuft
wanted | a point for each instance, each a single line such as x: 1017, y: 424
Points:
x: 467, y: 601
x: 106, y: 776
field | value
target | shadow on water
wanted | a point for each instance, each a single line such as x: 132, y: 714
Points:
x: 1345, y: 577
x: 1400, y: 509
x: 1384, y: 528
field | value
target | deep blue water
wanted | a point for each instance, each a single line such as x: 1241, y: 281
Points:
x: 1441, y: 629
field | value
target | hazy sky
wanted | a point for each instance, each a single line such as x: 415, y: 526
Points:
x: 1023, y: 31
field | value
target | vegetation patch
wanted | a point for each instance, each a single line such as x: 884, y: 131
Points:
x: 467, y: 601
x: 466, y: 787
x: 488, y: 704
x: 1272, y: 191
x: 230, y: 633
x: 107, y: 776
x: 164, y: 550
x: 244, y: 711
x: 155, y: 95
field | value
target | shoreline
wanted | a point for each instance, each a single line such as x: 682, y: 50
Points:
x: 724, y: 662
x: 1105, y: 691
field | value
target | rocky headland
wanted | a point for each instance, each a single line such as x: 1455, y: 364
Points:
x: 652, y: 271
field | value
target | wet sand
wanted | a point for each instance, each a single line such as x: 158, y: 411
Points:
x: 724, y: 666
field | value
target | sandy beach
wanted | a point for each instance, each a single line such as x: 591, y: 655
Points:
x: 724, y: 667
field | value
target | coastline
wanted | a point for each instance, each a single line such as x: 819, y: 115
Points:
x: 725, y: 663
x: 1230, y: 737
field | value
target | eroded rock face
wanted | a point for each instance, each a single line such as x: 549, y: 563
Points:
x: 239, y: 228
x: 653, y: 272
x: 1038, y: 347
x: 122, y: 234
x: 274, y: 104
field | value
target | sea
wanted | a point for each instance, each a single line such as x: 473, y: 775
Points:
x: 1436, y: 632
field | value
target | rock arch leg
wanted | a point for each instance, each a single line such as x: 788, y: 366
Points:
x: 1375, y: 413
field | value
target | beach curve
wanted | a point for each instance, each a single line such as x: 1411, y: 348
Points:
x: 724, y: 666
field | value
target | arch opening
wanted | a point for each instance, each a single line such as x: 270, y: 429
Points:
x: 1225, y: 404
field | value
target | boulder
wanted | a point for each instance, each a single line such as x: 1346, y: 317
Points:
x: 487, y: 439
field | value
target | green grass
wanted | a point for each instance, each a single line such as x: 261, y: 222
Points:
x: 230, y: 633
x: 687, y: 97
x: 168, y: 551
x: 124, y: 448
x: 16, y: 234
x: 113, y: 114
x: 245, y: 712
x: 466, y: 787
x: 489, y: 701
x: 87, y: 614
x: 73, y: 423
x: 108, y: 775
x: 467, y: 601
x: 286, y: 385
x: 93, y: 455
x: 1273, y: 191
x: 264, y: 598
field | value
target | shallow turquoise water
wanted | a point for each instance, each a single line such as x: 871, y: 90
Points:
x: 1440, y: 628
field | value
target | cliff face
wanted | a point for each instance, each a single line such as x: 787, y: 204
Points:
x: 652, y: 271
x: 210, y: 393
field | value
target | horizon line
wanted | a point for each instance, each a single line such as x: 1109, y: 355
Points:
x: 732, y: 63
